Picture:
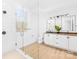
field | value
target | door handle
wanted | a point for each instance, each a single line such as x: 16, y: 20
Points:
x: 4, y: 11
x: 3, y: 32
x: 68, y: 37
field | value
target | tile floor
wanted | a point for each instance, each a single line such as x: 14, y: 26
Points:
x: 41, y: 51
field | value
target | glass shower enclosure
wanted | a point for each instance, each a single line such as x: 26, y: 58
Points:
x: 27, y: 29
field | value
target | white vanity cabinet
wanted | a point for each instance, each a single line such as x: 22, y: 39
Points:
x: 59, y: 41
x: 66, y: 42
x: 50, y: 39
x: 62, y: 41
x: 73, y: 43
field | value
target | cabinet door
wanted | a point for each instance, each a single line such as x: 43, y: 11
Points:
x: 73, y: 43
x: 50, y: 39
x: 8, y: 27
x: 62, y: 41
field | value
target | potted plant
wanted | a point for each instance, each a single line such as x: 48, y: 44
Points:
x: 58, y: 28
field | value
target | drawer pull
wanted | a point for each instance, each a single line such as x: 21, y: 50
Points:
x: 56, y: 42
x: 56, y: 38
x: 68, y: 37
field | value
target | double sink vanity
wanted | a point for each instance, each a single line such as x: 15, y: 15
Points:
x: 62, y: 40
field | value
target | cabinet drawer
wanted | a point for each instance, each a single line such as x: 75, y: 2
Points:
x: 50, y: 39
x: 62, y: 42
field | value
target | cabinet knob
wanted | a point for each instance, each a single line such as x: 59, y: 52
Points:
x: 56, y: 38
x: 15, y: 44
x: 56, y: 42
x: 32, y: 35
x: 48, y: 35
x: 68, y: 37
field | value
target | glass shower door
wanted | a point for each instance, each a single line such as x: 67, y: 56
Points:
x: 27, y: 28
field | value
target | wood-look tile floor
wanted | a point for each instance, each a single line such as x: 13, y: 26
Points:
x: 13, y: 55
x: 40, y: 51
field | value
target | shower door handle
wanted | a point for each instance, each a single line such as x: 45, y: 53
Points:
x: 3, y: 32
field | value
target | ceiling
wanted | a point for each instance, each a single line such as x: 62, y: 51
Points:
x: 43, y: 5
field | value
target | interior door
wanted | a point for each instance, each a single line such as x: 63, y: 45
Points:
x: 8, y: 28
